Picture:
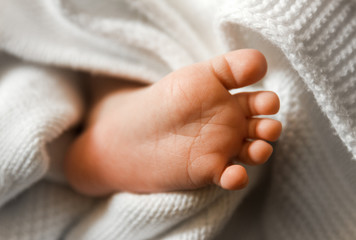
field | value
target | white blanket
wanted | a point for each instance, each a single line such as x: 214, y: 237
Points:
x: 48, y: 47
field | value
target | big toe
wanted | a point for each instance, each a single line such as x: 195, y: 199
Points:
x: 235, y: 69
x: 239, y: 68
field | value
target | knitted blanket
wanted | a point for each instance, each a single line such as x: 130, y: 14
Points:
x: 48, y: 49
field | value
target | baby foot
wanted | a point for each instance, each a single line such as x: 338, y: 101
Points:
x: 180, y: 133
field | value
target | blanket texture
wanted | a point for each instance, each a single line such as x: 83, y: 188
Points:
x: 49, y: 47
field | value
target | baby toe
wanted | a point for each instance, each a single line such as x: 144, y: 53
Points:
x: 234, y: 177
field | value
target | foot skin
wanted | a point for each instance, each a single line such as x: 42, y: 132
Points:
x: 180, y: 133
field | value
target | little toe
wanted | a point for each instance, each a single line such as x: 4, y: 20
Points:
x: 258, y: 103
x: 255, y: 152
x: 264, y: 128
x: 234, y: 177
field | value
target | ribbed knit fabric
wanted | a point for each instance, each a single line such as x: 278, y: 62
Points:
x: 45, y: 211
x: 310, y: 47
x: 36, y: 105
x: 318, y: 39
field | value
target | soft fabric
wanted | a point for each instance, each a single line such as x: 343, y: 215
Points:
x: 49, y: 47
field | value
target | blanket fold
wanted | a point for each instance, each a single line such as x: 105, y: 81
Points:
x: 36, y: 105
